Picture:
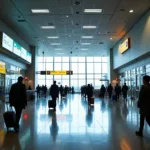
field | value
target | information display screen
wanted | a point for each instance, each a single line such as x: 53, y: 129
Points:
x: 17, y: 49
x: 7, y: 42
x: 23, y: 53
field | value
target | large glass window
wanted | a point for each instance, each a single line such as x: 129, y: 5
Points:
x: 86, y: 70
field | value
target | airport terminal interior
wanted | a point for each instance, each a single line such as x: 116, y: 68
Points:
x: 75, y: 43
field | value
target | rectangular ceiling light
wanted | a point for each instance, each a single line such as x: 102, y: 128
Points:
x: 87, y: 37
x: 84, y: 49
x: 89, y: 27
x: 92, y: 10
x: 43, y: 11
x: 48, y: 27
x: 60, y: 53
x: 52, y: 37
x: 86, y: 43
x: 55, y: 44
x: 58, y: 49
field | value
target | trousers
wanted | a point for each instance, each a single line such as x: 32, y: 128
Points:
x: 18, y: 116
x: 142, y: 118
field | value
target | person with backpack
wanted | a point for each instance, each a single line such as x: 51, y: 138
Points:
x: 144, y: 104
x: 54, y: 92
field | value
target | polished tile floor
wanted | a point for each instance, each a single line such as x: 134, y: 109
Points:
x: 108, y: 125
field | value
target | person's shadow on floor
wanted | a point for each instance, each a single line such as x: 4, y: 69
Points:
x: 11, y: 141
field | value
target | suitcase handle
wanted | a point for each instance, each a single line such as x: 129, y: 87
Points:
x: 8, y: 106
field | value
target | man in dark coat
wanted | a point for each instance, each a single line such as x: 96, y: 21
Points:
x: 144, y: 104
x: 109, y: 90
x: 89, y: 92
x: 18, y: 99
x: 54, y: 92
x: 117, y: 91
x: 125, y: 91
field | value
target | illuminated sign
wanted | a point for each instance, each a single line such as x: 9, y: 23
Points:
x: 17, y: 49
x: 124, y: 46
x: 55, y: 72
x: 23, y: 53
x: 7, y: 42
x: 2, y: 67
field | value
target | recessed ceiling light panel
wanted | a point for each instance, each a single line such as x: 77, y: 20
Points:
x: 131, y: 11
x: 58, y: 49
x: 87, y: 37
x: 36, y: 11
x: 89, y: 27
x: 48, y: 27
x: 92, y: 10
x: 55, y: 44
x: 84, y: 49
x: 86, y: 43
x: 52, y: 37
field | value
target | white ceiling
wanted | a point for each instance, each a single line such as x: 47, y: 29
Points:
x: 110, y: 23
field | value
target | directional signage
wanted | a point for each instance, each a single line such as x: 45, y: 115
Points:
x: 55, y: 72
x: 124, y: 46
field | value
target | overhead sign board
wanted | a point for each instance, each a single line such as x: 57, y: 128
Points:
x: 23, y: 53
x: 7, y: 42
x: 17, y: 49
x: 2, y: 67
x: 124, y: 46
x: 29, y: 57
x: 55, y: 72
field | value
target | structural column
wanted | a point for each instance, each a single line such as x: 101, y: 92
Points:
x: 113, y: 74
x: 31, y: 69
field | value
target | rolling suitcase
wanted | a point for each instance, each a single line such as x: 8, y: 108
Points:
x: 92, y: 100
x: 9, y: 118
x: 50, y: 104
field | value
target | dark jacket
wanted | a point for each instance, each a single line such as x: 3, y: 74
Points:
x: 110, y: 89
x: 17, y: 95
x: 89, y: 91
x: 124, y: 89
x: 144, y: 100
x: 54, y: 90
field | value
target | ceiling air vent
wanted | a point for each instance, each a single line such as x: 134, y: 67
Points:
x: 101, y: 42
x: 21, y: 20
x: 77, y: 3
x: 122, y: 9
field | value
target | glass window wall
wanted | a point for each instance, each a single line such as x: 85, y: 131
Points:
x: 86, y: 70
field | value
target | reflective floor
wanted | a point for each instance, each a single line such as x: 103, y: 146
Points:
x: 108, y: 125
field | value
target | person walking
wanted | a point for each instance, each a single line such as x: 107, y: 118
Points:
x: 18, y: 99
x: 117, y: 91
x: 144, y: 104
x: 109, y: 90
x: 89, y: 92
x: 54, y: 92
x: 125, y: 91
x: 102, y: 91
x: 38, y: 89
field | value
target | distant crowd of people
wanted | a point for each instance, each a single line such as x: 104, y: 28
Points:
x: 63, y: 90
x: 113, y: 92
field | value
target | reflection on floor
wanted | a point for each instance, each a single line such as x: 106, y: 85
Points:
x: 108, y: 125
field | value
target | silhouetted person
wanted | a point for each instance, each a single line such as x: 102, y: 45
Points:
x: 38, y: 89
x: 144, y: 103
x: 18, y: 99
x: 29, y: 88
x: 109, y: 90
x: 66, y: 90
x: 72, y: 89
x: 117, y: 91
x: 45, y: 90
x: 125, y: 91
x: 54, y: 92
x: 102, y: 91
x: 61, y: 90
x: 89, y: 92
